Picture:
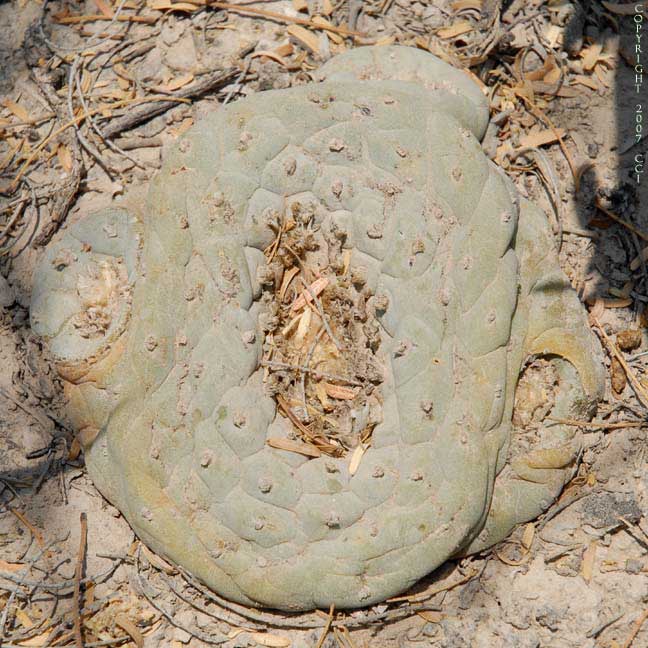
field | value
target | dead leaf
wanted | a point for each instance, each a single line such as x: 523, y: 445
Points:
x: 339, y: 392
x: 587, y: 565
x: 322, y: 396
x: 305, y: 298
x: 617, y: 303
x: 175, y: 84
x: 636, y: 262
x: 542, y: 138
x: 320, y: 20
x: 157, y: 562
x: 289, y: 275
x: 10, y: 567
x: 304, y: 37
x: 581, y: 79
x: 270, y: 640
x: 356, y: 457
x: 38, y: 641
x: 281, y: 443
x: 129, y: 627
x: 271, y: 55
x: 528, y: 535
x: 591, y: 55
x: 300, y: 5
x: 16, y: 109
x: 463, y: 5
x: 618, y: 376
x: 166, y: 5
x: 64, y: 157
x: 459, y: 28
x: 104, y: 8
x: 431, y: 616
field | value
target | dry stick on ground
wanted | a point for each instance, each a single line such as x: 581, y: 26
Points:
x: 302, y: 621
x: 143, y: 113
x: 316, y: 372
x: 327, y: 627
x: 635, y: 629
x: 78, y: 575
x: 639, y: 389
x: 70, y: 186
x: 621, y: 221
x: 599, y: 425
x: 274, y: 15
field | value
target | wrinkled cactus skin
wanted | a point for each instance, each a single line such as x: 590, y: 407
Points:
x: 169, y: 401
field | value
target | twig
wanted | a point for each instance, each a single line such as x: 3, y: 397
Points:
x: 169, y: 617
x: 602, y: 425
x: 327, y: 627
x: 621, y: 221
x: 144, y: 113
x: 638, y: 387
x: 309, y: 356
x: 635, y: 629
x: 290, y: 367
x: 274, y: 15
x: 78, y: 574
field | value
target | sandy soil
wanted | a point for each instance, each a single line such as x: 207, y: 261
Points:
x: 577, y: 577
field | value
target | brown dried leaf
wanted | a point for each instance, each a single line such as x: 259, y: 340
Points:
x: 588, y: 82
x: 459, y: 28
x: 10, y: 567
x: 16, y: 109
x: 320, y: 20
x: 542, y: 138
x: 306, y: 449
x: 273, y: 641
x: 166, y: 5
x: 618, y: 376
x: 587, y: 565
x: 64, y: 157
x: 528, y: 535
x: 129, y: 627
x: 157, y: 562
x: 305, y: 298
x: 431, y: 616
x: 462, y: 5
x: 104, y: 8
x: 356, y: 457
x: 304, y: 37
x: 617, y: 303
x: 629, y: 340
x: 339, y: 392
x: 591, y: 56
x: 289, y: 275
x: 320, y: 392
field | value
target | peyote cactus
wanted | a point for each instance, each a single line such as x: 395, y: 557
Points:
x: 294, y: 368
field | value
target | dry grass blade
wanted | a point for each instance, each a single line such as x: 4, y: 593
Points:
x: 289, y: 445
x: 326, y: 628
x: 599, y: 425
x: 128, y: 626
